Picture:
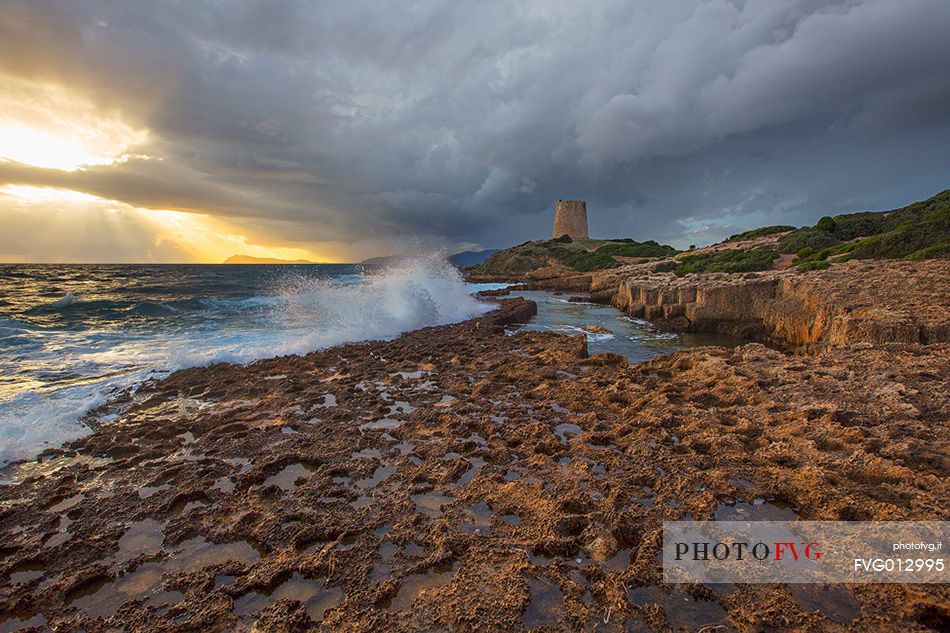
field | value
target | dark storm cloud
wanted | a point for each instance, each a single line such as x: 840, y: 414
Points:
x: 683, y: 121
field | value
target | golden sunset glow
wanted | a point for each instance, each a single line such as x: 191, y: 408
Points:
x: 209, y: 239
x: 135, y: 234
x: 39, y: 195
x: 46, y: 126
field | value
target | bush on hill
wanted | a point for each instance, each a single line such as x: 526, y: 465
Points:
x: 731, y: 261
x: 817, y: 265
x: 898, y: 233
x: 918, y: 231
x: 765, y: 230
x: 636, y: 249
x: 809, y: 238
x: 584, y: 261
x: 930, y: 252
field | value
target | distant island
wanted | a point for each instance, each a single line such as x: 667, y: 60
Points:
x: 460, y: 260
x: 248, y: 259
x: 387, y: 260
x: 472, y: 258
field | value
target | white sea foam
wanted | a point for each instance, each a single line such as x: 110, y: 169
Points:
x: 637, y: 322
x: 425, y: 292
x: 305, y: 314
x: 36, y: 421
x: 478, y: 287
x: 67, y: 300
x: 591, y: 336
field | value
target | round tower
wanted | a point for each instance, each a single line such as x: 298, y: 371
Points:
x: 570, y: 218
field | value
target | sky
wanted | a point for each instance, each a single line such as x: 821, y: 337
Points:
x: 159, y: 131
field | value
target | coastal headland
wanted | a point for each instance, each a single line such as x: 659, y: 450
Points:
x: 469, y: 477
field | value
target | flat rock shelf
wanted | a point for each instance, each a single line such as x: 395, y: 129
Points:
x: 471, y: 478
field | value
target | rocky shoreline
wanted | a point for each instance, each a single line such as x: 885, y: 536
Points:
x: 856, y: 302
x: 462, y: 479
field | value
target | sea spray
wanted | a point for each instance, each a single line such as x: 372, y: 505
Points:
x: 425, y: 291
x: 63, y: 357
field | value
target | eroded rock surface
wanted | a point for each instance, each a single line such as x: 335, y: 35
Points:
x: 854, y: 302
x: 459, y: 478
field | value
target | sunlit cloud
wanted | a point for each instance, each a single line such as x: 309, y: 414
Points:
x: 45, y: 125
x: 31, y: 195
x: 349, y: 132
x: 209, y: 239
x: 70, y: 226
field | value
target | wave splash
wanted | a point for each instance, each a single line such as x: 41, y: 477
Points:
x: 67, y: 300
x: 427, y: 291
x: 304, y: 314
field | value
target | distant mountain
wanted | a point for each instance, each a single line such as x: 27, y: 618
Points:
x: 472, y: 258
x: 248, y: 259
x: 461, y: 260
x: 387, y: 260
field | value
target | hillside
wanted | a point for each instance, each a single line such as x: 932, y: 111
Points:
x: 576, y: 255
x: 918, y: 231
x: 385, y: 261
x: 249, y: 259
x: 471, y: 258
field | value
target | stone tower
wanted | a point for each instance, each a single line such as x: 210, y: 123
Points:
x: 570, y: 217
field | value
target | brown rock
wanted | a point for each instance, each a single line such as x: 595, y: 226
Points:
x: 351, y: 480
x: 871, y: 302
x: 607, y: 358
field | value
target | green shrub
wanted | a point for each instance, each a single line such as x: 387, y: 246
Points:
x: 854, y: 225
x: 731, y: 261
x: 584, y: 261
x: 930, y: 252
x: 636, y: 249
x: 818, y: 265
x: 903, y: 241
x: 806, y: 238
x: 851, y: 226
x: 805, y: 253
x: 917, y: 231
x: 765, y: 230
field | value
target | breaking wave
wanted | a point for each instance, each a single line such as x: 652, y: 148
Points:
x: 54, y: 379
x: 324, y: 313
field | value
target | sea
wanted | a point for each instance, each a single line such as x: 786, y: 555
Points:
x: 72, y: 336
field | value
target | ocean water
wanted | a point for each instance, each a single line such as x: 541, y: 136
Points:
x: 72, y: 335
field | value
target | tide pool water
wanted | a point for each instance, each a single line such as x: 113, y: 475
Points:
x: 635, y: 338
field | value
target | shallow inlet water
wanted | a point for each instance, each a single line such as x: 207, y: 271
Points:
x: 635, y: 338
